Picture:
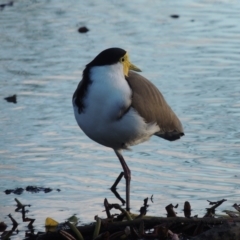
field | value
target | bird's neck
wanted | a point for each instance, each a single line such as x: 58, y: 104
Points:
x: 108, y: 74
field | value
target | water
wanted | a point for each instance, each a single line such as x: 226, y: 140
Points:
x: 193, y: 60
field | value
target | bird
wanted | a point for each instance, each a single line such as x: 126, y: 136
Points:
x: 118, y: 108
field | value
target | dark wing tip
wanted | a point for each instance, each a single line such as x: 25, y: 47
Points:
x: 171, y: 136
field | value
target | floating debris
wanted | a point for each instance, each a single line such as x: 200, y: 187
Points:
x: 83, y: 29
x: 17, y: 191
x: 170, y: 211
x: 3, y: 5
x: 128, y: 226
x: 187, y: 209
x: 32, y: 189
x: 174, y: 16
x: 12, y: 98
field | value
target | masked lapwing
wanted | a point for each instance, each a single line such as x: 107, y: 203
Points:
x: 118, y: 108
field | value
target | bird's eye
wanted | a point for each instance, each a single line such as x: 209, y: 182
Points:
x: 122, y: 59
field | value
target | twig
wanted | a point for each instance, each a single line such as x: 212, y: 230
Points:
x: 170, y: 211
x: 187, y: 209
x: 211, y: 211
x: 13, y: 220
x: 106, y: 205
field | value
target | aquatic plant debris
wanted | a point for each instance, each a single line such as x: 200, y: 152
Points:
x: 3, y: 5
x: 12, y: 98
x: 14, y: 231
x: 83, y: 29
x: 129, y: 226
x: 31, y: 189
x: 174, y: 16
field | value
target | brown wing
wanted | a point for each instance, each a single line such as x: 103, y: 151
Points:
x: 151, y: 105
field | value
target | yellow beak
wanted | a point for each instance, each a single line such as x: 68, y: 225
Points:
x: 134, y: 68
x: 129, y: 66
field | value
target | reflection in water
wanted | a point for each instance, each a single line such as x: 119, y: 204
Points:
x: 193, y: 60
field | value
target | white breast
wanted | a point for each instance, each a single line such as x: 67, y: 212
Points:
x: 106, y: 97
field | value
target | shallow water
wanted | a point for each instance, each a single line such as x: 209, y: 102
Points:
x: 193, y: 60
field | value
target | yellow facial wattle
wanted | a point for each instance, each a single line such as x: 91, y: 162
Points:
x: 127, y: 65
